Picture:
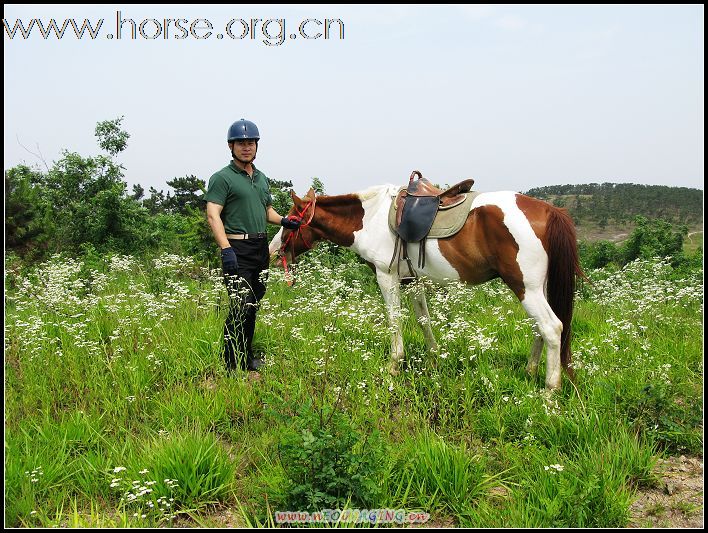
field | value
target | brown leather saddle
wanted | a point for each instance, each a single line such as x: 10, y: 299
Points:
x: 416, y: 208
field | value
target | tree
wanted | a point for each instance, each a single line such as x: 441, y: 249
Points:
x: 279, y: 184
x: 155, y: 203
x: 84, y: 200
x: 111, y: 137
x: 318, y: 185
x: 138, y: 192
x: 654, y: 238
x: 282, y: 202
x: 189, y: 194
x: 578, y: 208
x: 26, y: 210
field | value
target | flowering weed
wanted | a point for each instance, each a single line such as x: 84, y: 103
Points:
x: 115, y: 384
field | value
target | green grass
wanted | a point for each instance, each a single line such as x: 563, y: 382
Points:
x: 119, y: 413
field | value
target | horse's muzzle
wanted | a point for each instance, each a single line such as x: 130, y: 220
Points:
x: 285, y: 258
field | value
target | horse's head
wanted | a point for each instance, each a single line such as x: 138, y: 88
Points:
x: 288, y: 244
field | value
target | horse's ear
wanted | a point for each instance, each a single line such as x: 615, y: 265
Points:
x: 296, y: 200
x: 310, y: 194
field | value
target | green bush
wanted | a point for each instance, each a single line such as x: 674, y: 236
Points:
x: 328, y: 462
x: 598, y: 254
x: 673, y: 420
x: 653, y: 238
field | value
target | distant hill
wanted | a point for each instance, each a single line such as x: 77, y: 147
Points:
x: 607, y: 210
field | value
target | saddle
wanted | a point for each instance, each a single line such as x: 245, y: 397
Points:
x: 415, y: 209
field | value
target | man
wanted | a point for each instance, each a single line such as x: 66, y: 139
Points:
x: 238, y: 206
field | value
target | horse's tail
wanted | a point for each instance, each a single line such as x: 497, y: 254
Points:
x: 563, y: 267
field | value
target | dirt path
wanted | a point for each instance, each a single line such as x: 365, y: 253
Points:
x: 678, y: 500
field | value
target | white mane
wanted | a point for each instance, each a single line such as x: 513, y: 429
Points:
x: 376, y: 191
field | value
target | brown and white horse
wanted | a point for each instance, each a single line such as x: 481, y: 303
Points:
x: 529, y: 243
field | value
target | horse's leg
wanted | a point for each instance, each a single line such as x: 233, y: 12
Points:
x: 550, y: 328
x: 420, y: 307
x: 391, y: 292
x: 536, y: 348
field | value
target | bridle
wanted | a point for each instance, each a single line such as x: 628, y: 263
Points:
x: 292, y: 237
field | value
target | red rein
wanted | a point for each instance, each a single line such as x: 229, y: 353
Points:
x: 292, y: 237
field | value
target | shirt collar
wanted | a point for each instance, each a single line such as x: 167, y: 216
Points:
x: 239, y: 171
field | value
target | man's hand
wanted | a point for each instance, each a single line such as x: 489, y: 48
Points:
x: 291, y: 222
x: 229, y: 263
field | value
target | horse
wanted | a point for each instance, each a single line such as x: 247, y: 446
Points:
x: 530, y: 244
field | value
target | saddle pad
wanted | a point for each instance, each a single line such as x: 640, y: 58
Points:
x: 448, y: 221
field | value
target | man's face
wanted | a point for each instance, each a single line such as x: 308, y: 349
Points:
x: 244, y: 150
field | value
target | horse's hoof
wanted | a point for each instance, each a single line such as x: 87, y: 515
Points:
x: 532, y: 370
x: 393, y: 369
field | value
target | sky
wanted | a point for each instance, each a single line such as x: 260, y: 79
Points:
x: 514, y: 97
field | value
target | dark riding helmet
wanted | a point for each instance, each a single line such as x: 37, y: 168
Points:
x: 243, y: 129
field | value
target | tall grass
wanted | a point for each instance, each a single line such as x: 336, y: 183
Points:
x: 119, y: 413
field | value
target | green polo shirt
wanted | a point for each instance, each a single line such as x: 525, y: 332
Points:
x: 245, y: 198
